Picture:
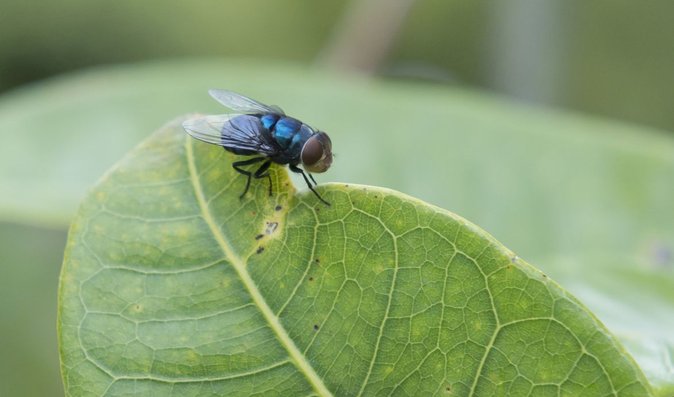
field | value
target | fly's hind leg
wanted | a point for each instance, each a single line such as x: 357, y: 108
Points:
x: 264, y: 171
x: 237, y: 166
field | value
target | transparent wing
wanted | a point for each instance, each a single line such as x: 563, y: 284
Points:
x: 233, y: 131
x: 242, y: 104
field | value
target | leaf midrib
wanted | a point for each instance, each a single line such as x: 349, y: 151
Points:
x: 240, y: 266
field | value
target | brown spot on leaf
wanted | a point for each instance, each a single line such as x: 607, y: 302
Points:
x: 259, y: 250
x: 259, y: 236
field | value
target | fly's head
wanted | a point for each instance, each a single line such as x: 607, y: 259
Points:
x: 316, y: 153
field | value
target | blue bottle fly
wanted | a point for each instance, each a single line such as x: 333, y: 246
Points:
x: 268, y: 134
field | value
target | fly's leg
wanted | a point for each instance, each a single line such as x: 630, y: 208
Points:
x: 312, y: 179
x: 264, y: 171
x: 237, y: 166
x: 294, y: 168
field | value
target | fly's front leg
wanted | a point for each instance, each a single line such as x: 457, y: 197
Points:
x: 297, y: 170
x: 237, y: 166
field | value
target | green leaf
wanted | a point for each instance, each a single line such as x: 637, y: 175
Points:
x: 171, y: 285
x: 634, y: 303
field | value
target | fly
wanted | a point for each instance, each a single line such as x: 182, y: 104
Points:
x: 267, y: 133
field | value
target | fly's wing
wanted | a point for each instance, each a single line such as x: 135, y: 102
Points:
x: 242, y: 104
x: 233, y: 131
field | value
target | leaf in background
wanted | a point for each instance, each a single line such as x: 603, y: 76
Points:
x: 173, y: 286
x: 29, y: 259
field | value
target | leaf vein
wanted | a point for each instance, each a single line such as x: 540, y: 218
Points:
x: 239, y: 265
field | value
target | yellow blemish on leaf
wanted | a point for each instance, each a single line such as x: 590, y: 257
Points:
x: 478, y: 325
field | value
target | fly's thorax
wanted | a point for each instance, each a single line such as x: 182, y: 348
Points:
x: 269, y: 120
x: 316, y: 154
x: 285, y: 130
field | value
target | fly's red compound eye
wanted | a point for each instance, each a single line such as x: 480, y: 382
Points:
x: 317, y: 153
x: 312, y: 151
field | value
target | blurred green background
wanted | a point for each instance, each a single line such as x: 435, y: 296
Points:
x: 513, y: 97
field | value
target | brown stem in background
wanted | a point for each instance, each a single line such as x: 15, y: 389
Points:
x: 362, y: 39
